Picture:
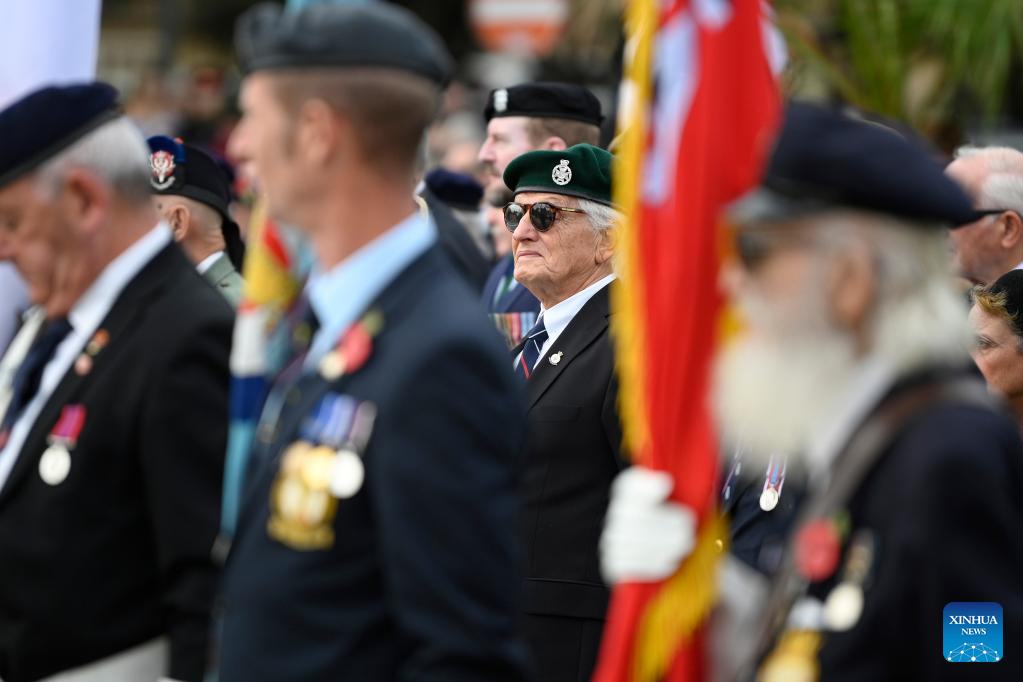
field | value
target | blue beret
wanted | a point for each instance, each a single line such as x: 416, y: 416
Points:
x: 454, y: 189
x: 328, y: 35
x: 823, y: 159
x: 45, y: 122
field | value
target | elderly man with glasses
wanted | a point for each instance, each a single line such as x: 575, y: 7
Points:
x: 992, y: 244
x: 561, y: 222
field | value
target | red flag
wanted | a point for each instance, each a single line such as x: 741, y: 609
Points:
x: 700, y: 106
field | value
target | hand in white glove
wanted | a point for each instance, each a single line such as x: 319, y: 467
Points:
x: 645, y: 537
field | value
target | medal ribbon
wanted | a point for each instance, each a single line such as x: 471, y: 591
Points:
x: 331, y: 422
x: 775, y: 477
x: 69, y: 426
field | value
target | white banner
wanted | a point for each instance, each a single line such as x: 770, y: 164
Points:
x: 44, y: 42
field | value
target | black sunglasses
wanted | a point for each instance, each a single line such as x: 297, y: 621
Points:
x: 984, y: 212
x: 541, y: 214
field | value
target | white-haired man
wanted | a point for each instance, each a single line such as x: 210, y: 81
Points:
x: 855, y: 358
x: 111, y: 444
x: 992, y: 244
x: 562, y: 221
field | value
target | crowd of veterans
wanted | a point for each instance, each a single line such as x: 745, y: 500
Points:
x: 436, y: 488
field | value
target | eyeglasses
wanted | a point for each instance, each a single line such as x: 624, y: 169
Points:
x: 541, y: 214
x: 984, y: 212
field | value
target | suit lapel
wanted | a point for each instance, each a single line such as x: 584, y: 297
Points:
x: 129, y: 303
x: 219, y: 271
x: 582, y: 331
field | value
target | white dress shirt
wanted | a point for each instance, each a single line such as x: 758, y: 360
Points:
x: 558, y: 317
x: 207, y: 262
x: 85, y: 317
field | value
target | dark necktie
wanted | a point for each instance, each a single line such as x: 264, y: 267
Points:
x: 535, y: 340
x: 30, y: 373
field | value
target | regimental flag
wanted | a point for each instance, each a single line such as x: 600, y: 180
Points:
x: 698, y: 110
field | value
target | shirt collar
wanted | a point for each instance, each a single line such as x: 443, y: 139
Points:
x: 92, y: 306
x: 206, y: 263
x: 873, y: 379
x: 339, y: 295
x: 557, y: 317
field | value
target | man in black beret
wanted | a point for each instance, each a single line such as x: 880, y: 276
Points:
x: 376, y: 538
x: 522, y: 118
x: 112, y: 442
x: 193, y: 196
x: 854, y: 363
x: 562, y: 223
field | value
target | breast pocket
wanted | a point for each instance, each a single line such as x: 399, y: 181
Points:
x: 555, y: 413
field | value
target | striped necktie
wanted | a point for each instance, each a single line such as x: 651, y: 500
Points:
x: 27, y: 378
x: 535, y: 340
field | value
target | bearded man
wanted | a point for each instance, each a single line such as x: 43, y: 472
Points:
x: 855, y: 360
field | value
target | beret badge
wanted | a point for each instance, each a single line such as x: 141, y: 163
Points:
x: 161, y: 163
x: 562, y: 174
x: 500, y: 100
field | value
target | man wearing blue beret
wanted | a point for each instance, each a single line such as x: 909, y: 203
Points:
x: 112, y: 441
x: 855, y: 361
x: 562, y: 222
x: 376, y: 534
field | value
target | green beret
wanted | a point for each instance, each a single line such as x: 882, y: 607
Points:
x: 582, y: 171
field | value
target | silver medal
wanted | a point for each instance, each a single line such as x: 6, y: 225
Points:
x: 843, y: 606
x: 769, y: 499
x: 55, y: 464
x: 348, y: 474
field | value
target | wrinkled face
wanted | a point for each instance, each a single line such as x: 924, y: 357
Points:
x: 260, y: 142
x: 31, y: 236
x: 975, y: 247
x: 550, y: 264
x: 507, y: 137
x: 997, y: 353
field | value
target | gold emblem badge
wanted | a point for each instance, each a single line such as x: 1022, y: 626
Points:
x: 302, y: 507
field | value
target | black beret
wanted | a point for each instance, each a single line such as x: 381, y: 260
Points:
x: 180, y: 169
x: 329, y: 35
x: 544, y: 100
x: 823, y: 160
x: 457, y: 190
x: 1010, y: 285
x: 47, y: 121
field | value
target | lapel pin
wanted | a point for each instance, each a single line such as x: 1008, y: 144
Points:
x: 556, y: 358
x: 98, y: 341
x: 83, y: 365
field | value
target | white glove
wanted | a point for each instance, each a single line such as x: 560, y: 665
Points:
x: 646, y: 537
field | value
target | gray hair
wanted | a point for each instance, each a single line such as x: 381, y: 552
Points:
x: 602, y: 217
x: 1002, y: 187
x: 920, y: 314
x: 115, y: 151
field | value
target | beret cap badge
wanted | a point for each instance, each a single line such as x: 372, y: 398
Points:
x: 161, y: 163
x: 562, y: 174
x: 500, y: 100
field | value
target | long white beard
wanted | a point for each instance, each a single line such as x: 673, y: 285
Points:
x: 772, y: 393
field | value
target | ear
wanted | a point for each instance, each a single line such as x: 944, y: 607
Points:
x: 180, y: 221
x: 316, y: 132
x: 86, y: 201
x: 1010, y: 229
x: 851, y: 287
x: 605, y: 248
x: 554, y: 143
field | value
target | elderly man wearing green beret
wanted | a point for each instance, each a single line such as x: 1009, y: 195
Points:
x: 561, y: 221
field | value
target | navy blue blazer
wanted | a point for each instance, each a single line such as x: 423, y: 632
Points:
x: 422, y: 577
x: 515, y: 311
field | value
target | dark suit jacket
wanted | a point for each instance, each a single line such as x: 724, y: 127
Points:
x: 119, y: 553
x: 422, y: 579
x: 456, y: 243
x: 945, y: 506
x: 572, y: 456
